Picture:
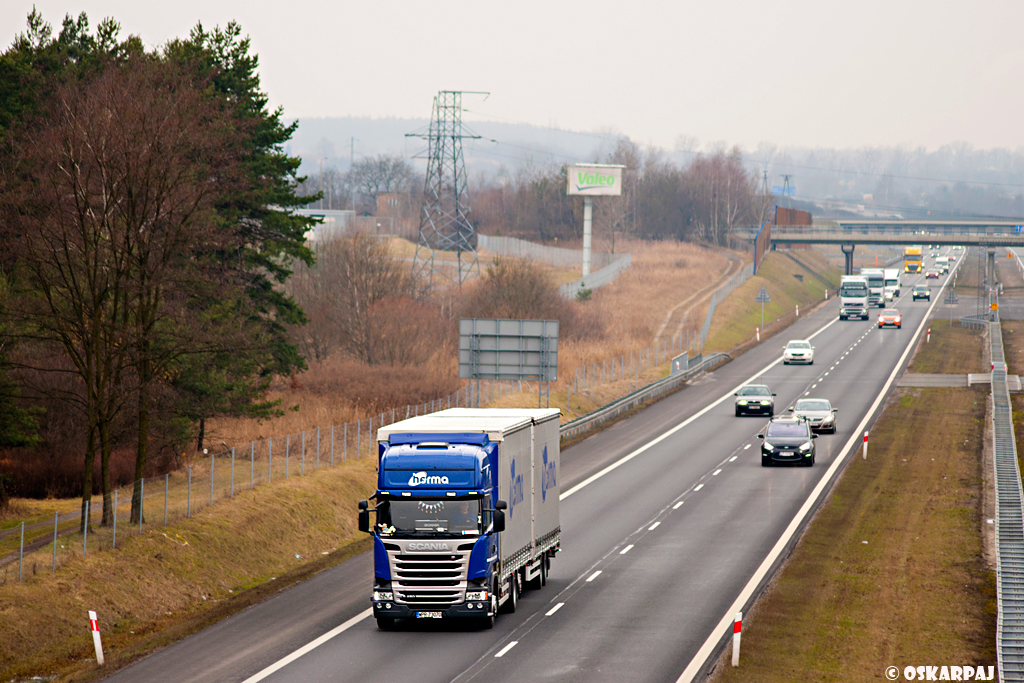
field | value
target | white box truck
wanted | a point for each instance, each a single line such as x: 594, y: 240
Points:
x: 892, y: 284
x: 853, y: 297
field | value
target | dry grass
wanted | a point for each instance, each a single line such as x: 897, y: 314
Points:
x: 737, y: 318
x: 952, y: 350
x: 891, y: 571
x: 166, y: 577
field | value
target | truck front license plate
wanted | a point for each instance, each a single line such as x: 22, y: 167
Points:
x: 428, y: 615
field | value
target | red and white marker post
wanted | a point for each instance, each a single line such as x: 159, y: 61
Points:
x: 798, y: 310
x: 865, y: 445
x: 95, y: 627
x: 757, y: 331
x: 928, y: 336
x: 737, y: 626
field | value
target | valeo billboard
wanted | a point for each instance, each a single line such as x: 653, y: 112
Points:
x: 595, y: 179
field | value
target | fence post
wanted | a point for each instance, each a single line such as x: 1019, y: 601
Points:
x: 287, y: 453
x: 167, y: 487
x: 113, y: 543
x: 21, y: 551
x: 85, y: 528
x: 252, y: 463
x: 359, y: 424
x: 232, y: 471
x: 318, y: 448
x: 188, y: 506
x: 211, y: 479
x: 344, y: 449
x: 332, y: 445
x: 270, y: 460
x: 302, y: 466
x: 56, y: 516
x: 142, y: 499
x: 369, y: 437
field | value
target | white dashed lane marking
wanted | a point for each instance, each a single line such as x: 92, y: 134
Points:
x: 594, y: 576
x: 654, y: 526
x: 677, y: 505
x: 698, y: 487
x: 502, y: 651
x: 733, y: 458
x: 626, y: 549
x: 715, y: 473
x: 554, y: 609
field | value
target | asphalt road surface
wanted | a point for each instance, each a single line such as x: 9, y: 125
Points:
x: 658, y: 551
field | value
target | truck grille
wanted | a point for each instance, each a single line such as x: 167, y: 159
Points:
x: 429, y: 579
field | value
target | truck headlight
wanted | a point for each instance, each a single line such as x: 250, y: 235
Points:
x: 806, y: 446
x: 383, y: 595
x: 476, y: 595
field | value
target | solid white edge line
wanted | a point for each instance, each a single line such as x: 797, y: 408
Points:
x: 626, y: 549
x: 502, y: 651
x: 593, y: 576
x: 714, y: 637
x: 653, y: 442
x: 554, y: 609
x: 308, y: 647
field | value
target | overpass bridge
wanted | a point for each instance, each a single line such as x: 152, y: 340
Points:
x: 849, y: 233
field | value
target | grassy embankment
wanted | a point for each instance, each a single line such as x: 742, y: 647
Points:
x: 891, y: 570
x: 736, y: 318
x: 173, y: 581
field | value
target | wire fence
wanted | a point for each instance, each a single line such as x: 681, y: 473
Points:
x: 720, y: 294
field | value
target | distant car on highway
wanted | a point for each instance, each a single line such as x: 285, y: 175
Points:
x: 755, y: 399
x: 818, y: 412
x: 890, y: 317
x: 932, y: 275
x: 934, y: 254
x: 798, y: 351
x: 787, y: 439
x: 922, y: 292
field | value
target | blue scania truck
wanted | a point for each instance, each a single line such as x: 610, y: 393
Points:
x: 465, y: 515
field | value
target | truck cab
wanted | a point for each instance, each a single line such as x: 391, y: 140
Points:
x: 892, y: 284
x: 853, y: 297
x: 876, y: 286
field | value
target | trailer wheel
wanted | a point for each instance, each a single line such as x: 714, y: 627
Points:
x: 544, y: 566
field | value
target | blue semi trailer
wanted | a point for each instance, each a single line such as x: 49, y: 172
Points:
x: 465, y: 515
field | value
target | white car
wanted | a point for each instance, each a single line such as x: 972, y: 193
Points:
x: 798, y: 351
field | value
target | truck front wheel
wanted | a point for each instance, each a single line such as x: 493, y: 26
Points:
x: 513, y: 595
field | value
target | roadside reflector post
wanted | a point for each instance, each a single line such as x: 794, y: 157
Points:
x: 95, y: 628
x: 737, y: 626
x: 826, y: 294
x: 757, y: 331
x: 798, y: 310
x: 865, y: 445
x: 928, y: 336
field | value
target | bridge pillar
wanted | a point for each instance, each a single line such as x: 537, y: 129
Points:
x: 849, y: 256
x: 990, y: 269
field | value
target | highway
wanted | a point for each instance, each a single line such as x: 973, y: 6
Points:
x: 669, y: 524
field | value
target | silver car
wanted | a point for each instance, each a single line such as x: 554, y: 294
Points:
x: 754, y: 399
x: 818, y: 412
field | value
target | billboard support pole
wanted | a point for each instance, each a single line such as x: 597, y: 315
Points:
x: 588, y: 211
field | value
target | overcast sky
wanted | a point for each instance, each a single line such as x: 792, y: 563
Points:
x: 789, y: 72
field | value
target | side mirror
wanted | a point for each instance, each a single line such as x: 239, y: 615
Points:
x: 364, y: 521
x: 363, y: 505
x: 814, y: 436
x: 773, y: 394
x: 760, y: 436
x: 835, y: 410
x: 499, y: 520
x: 501, y: 505
x: 790, y: 409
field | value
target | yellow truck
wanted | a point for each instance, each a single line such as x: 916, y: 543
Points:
x: 912, y: 260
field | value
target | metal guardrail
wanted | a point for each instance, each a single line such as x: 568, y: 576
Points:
x: 1009, y: 522
x: 626, y: 403
x: 975, y: 322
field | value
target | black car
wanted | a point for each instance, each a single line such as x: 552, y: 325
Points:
x: 787, y: 439
x: 922, y: 292
x: 755, y: 399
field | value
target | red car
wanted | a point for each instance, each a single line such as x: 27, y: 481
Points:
x: 931, y: 274
x: 890, y: 317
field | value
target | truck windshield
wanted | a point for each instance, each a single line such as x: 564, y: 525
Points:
x: 853, y: 289
x: 430, y: 517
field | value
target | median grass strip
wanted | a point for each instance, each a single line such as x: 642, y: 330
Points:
x: 952, y: 349
x: 173, y: 581
x: 890, y: 572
